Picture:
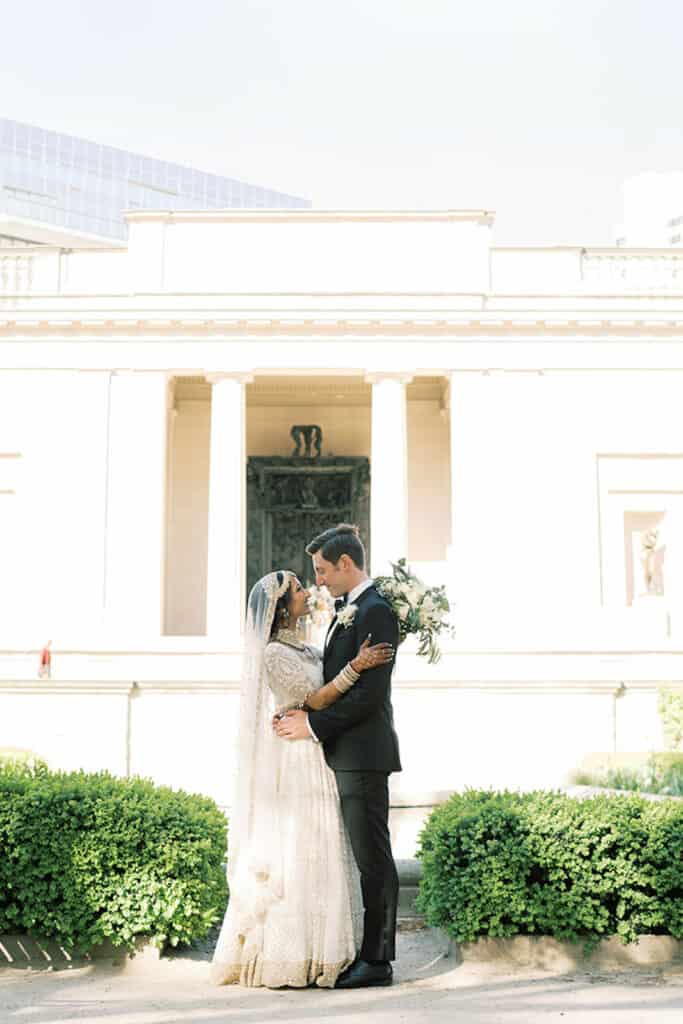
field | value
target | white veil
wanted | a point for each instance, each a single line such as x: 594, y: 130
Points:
x: 254, y: 847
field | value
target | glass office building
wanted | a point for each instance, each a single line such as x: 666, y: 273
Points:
x: 58, y: 180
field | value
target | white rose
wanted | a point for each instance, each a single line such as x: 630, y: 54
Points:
x: 346, y: 616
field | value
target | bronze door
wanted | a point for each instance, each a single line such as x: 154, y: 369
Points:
x: 290, y: 500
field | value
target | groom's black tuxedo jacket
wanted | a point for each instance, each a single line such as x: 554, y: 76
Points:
x: 357, y: 732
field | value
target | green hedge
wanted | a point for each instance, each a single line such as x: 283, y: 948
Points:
x: 640, y: 773
x: 670, y: 707
x: 89, y: 857
x: 505, y: 864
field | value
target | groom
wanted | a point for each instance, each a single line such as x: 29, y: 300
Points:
x: 359, y: 741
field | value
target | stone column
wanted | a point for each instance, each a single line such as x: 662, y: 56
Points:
x: 135, y: 512
x: 389, y: 470
x: 474, y: 498
x: 225, y: 599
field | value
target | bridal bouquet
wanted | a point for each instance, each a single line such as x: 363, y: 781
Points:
x: 320, y: 605
x: 420, y: 609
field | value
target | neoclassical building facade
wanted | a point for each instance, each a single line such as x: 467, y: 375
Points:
x: 506, y: 418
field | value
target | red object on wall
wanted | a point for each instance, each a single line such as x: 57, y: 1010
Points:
x: 45, y: 661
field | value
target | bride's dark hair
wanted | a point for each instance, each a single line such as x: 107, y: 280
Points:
x: 282, y: 606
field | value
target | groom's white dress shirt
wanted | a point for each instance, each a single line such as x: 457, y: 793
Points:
x: 351, y: 597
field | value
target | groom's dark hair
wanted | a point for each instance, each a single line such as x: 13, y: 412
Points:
x: 343, y: 539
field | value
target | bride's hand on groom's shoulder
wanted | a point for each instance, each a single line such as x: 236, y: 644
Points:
x: 371, y: 657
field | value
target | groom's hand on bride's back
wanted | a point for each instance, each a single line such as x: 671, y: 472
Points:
x: 292, y: 726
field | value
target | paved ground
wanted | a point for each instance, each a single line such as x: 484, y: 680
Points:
x: 429, y: 987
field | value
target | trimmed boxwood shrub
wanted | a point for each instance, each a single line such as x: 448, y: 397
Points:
x: 505, y: 864
x: 86, y: 857
x: 639, y: 773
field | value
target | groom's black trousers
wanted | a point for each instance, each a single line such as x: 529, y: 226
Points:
x: 365, y: 809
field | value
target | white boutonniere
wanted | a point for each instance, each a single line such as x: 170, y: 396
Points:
x: 346, y: 616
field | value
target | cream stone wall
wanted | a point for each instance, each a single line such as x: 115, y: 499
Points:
x: 334, y: 251
x: 531, y: 549
x: 429, y: 482
x: 53, y: 472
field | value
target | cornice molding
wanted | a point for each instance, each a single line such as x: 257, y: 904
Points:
x: 485, y: 217
x: 68, y: 687
x: 573, y: 686
x: 621, y: 252
x: 314, y: 327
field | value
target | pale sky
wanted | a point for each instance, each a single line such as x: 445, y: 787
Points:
x: 537, y: 109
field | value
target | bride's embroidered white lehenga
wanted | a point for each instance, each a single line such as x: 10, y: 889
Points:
x: 295, y: 911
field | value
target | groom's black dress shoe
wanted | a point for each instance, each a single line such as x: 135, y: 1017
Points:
x: 361, y: 974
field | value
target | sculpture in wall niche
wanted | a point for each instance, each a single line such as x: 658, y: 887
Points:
x: 652, y: 562
x: 310, y: 436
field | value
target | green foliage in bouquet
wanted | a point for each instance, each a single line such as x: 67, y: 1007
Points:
x: 420, y: 609
x: 86, y: 857
x: 505, y: 864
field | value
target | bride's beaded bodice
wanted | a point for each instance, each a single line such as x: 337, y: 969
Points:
x: 292, y: 672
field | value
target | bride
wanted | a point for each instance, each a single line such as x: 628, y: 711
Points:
x: 295, y: 915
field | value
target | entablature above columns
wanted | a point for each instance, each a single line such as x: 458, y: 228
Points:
x: 419, y: 354
x: 563, y: 325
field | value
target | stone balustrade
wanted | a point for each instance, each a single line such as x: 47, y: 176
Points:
x: 17, y: 267
x: 572, y: 270
x: 530, y: 270
x: 48, y: 270
x: 632, y: 269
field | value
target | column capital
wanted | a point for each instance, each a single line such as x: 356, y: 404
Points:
x: 216, y: 376
x: 375, y: 376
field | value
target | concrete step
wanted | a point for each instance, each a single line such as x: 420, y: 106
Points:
x: 26, y: 951
x: 409, y: 874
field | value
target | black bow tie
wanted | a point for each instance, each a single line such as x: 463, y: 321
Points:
x: 339, y: 603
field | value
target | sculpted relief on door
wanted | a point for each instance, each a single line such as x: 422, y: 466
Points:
x: 291, y: 499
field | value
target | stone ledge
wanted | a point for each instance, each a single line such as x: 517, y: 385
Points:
x: 551, y: 954
x: 409, y: 871
x: 531, y: 952
x: 32, y: 952
x: 144, y: 951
